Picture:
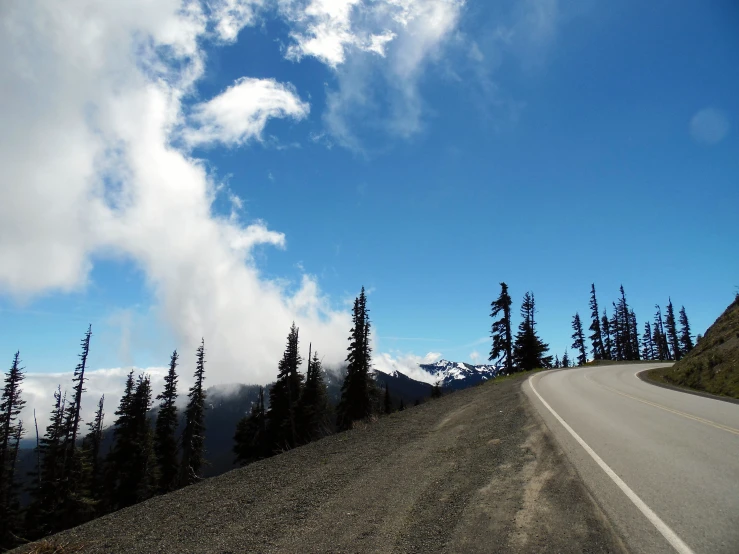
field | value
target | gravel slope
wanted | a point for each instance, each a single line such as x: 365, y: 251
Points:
x: 475, y: 471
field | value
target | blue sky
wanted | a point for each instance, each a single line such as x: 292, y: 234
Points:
x: 545, y: 143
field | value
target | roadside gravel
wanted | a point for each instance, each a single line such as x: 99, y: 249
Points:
x: 475, y: 471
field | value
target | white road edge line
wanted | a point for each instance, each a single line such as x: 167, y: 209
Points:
x: 676, y: 542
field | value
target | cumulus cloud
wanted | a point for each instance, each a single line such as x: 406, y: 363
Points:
x: 92, y: 111
x: 474, y: 356
x: 241, y: 112
x: 709, y: 126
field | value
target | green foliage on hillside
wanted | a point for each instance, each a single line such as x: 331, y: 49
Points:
x: 713, y: 364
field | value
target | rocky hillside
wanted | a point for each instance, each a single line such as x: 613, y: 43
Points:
x: 713, y: 365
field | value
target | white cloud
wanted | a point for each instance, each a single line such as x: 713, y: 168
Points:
x: 240, y: 112
x: 408, y: 364
x: 474, y: 356
x: 93, y: 104
x: 230, y: 16
x: 709, y: 126
x: 386, y: 43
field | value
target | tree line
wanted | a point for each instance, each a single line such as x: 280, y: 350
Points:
x: 74, y: 481
x: 299, y: 410
x: 612, y: 337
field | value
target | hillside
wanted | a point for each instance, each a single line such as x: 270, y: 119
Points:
x: 474, y: 471
x: 713, y: 365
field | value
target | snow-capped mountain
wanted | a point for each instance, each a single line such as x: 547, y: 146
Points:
x: 459, y: 375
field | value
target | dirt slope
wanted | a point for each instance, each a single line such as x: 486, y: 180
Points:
x: 713, y: 365
x: 475, y: 471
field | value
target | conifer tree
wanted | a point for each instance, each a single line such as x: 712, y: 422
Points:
x: 165, y: 441
x: 617, y: 334
x: 41, y: 516
x: 73, y: 410
x: 672, y: 337
x: 565, y: 359
x: 529, y: 350
x: 501, y: 329
x: 91, y: 444
x: 314, y: 407
x: 596, y: 338
x: 605, y: 326
x: 557, y: 363
x: 282, y: 416
x: 436, y: 390
x: 658, y: 338
x: 648, y: 351
x: 11, y: 428
x: 250, y: 439
x: 358, y: 389
x: 193, y: 435
x: 686, y: 341
x: 387, y: 402
x: 634, y: 336
x: 132, y: 469
x: 578, y: 339
x: 402, y: 406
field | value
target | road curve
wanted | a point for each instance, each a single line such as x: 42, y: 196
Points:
x: 662, y: 464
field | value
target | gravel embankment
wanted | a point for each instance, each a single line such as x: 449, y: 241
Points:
x: 475, y: 471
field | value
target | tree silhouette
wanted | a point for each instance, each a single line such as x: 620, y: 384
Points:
x: 357, y: 391
x: 501, y: 329
x: 193, y: 435
x: 165, y: 441
x: 578, y: 339
x: 284, y: 396
x: 529, y: 350
x: 596, y: 338
x: 686, y: 341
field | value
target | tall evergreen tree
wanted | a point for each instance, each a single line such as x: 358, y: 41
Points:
x: 282, y: 416
x: 659, y: 337
x: 314, y: 408
x: 91, y: 444
x: 387, y: 401
x: 501, y: 329
x: 529, y: 350
x: 132, y: 469
x: 11, y: 427
x: 250, y: 440
x: 617, y: 334
x: 648, y: 351
x: 565, y: 359
x: 73, y: 410
x: 596, y: 337
x: 634, y: 336
x: 557, y: 363
x: 436, y: 390
x: 672, y: 338
x: 358, y: 390
x: 686, y: 340
x: 401, y: 407
x: 165, y: 441
x: 193, y: 435
x: 41, y: 517
x: 578, y: 339
x: 608, y: 346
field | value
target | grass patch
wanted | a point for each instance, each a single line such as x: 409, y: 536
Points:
x: 713, y: 365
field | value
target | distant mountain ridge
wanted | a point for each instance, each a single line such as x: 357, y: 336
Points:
x: 460, y: 375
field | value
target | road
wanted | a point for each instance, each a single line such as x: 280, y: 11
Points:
x: 662, y: 464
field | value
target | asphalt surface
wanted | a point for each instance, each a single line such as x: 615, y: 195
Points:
x: 678, y: 453
x: 474, y: 472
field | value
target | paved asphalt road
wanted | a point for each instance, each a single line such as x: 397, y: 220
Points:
x: 662, y: 464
